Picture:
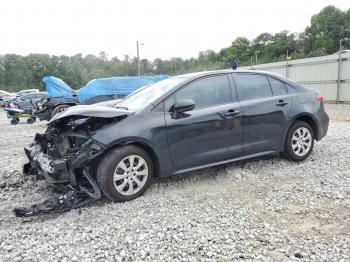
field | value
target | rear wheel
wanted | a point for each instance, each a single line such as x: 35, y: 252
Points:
x: 14, y: 121
x: 125, y: 173
x: 30, y: 120
x: 59, y: 109
x: 300, y: 142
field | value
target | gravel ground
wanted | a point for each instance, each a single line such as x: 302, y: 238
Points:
x: 338, y: 112
x: 266, y: 209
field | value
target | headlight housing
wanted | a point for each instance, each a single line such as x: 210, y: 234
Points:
x: 41, y: 103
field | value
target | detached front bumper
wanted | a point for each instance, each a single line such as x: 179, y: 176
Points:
x: 53, y: 170
x: 73, y: 170
x: 60, y: 170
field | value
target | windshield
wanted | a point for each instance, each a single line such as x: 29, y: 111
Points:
x: 145, y: 96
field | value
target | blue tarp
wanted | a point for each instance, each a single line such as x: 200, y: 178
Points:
x: 115, y: 86
x: 57, y: 87
x: 99, y: 87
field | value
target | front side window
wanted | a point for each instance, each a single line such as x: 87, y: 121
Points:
x: 278, y: 88
x: 205, y: 92
x: 251, y: 86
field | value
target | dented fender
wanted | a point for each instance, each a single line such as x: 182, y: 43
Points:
x: 91, y: 111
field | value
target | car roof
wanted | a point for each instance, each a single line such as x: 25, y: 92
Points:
x: 26, y: 90
x: 193, y: 76
x: 34, y: 93
x: 226, y: 71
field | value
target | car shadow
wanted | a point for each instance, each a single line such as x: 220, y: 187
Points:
x: 211, y: 172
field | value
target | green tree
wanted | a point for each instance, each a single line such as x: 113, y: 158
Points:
x: 331, y: 24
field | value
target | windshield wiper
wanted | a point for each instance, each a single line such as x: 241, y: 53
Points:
x: 122, y: 107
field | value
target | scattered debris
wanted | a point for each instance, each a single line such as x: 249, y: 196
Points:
x: 74, y: 198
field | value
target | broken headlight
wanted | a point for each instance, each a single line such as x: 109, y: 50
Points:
x: 41, y: 103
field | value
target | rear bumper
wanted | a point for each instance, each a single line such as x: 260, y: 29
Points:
x: 323, y: 129
x: 323, y: 123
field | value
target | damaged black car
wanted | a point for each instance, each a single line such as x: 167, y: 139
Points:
x: 177, y: 125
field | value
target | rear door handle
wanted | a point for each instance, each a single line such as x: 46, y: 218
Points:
x: 232, y: 112
x: 281, y: 103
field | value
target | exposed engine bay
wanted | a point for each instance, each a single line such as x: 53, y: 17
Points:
x: 66, y: 157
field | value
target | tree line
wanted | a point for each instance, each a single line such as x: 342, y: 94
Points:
x: 322, y: 37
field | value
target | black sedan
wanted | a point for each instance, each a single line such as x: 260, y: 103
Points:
x: 180, y: 124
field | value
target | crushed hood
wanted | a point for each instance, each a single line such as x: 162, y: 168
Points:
x: 108, y: 103
x: 91, y: 111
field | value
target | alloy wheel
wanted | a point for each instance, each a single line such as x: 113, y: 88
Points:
x: 130, y: 175
x: 301, y: 141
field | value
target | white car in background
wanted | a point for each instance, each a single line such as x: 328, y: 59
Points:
x: 4, y: 95
x: 21, y: 93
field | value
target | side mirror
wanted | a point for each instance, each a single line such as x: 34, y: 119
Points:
x: 184, y: 105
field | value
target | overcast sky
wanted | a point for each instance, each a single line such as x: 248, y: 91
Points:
x: 168, y: 29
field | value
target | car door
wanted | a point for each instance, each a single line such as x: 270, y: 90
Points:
x: 264, y: 114
x: 203, y: 135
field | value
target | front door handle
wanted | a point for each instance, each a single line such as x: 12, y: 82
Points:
x: 232, y: 112
x: 281, y: 103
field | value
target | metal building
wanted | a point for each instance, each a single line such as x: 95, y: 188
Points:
x: 328, y: 74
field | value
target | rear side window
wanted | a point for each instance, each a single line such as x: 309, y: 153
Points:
x: 29, y: 96
x: 40, y: 95
x: 205, y: 92
x: 251, y: 86
x: 278, y: 88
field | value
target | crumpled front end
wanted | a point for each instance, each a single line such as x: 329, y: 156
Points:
x: 65, y: 156
x: 60, y: 158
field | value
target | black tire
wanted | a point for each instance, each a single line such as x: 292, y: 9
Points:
x: 59, y: 109
x: 108, y: 165
x: 14, y: 121
x: 289, y: 153
x: 30, y: 120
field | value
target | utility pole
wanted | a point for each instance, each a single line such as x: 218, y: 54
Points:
x: 340, y: 66
x: 138, y: 58
x: 256, y: 57
x: 126, y: 58
x: 341, y: 41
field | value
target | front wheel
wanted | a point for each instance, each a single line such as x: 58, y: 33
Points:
x: 299, y: 142
x: 14, y: 121
x: 125, y: 173
x: 59, y: 109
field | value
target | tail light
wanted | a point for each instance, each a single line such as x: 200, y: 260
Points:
x: 319, y: 97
